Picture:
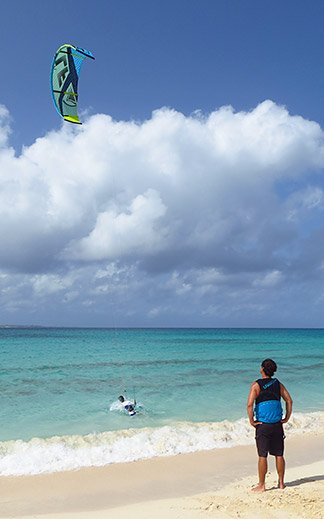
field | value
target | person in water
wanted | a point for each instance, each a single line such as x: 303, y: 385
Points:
x: 265, y: 414
x: 128, y: 405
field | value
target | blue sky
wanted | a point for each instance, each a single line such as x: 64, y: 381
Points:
x: 184, y: 54
x: 197, y: 215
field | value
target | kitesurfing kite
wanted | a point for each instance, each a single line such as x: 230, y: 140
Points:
x: 64, y: 80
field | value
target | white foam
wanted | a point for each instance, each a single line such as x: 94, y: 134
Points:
x: 61, y: 453
x: 116, y: 406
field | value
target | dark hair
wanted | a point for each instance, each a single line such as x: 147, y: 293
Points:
x: 269, y: 366
x: 121, y: 398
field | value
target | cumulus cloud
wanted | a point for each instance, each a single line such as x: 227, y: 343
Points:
x: 179, y: 206
x: 114, y: 233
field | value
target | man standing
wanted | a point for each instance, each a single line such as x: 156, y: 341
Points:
x: 265, y: 414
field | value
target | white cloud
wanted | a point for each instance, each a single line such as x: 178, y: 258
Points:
x: 303, y: 202
x: 175, y: 205
x: 116, y: 234
x: 4, y: 127
x: 46, y: 284
x: 270, y: 279
x: 178, y: 284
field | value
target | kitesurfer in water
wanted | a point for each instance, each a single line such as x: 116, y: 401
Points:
x: 128, y: 405
x: 265, y: 414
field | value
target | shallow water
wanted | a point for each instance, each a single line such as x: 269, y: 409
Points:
x: 65, y: 383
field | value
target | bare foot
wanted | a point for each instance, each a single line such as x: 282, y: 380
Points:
x: 281, y: 485
x: 258, y: 488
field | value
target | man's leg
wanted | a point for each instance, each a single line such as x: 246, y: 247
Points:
x: 280, y: 465
x: 262, y: 469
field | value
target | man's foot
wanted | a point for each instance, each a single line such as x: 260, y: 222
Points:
x: 281, y: 485
x: 258, y: 488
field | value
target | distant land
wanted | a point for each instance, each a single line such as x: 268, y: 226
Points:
x: 21, y: 326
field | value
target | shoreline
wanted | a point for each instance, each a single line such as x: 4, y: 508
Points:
x: 74, y: 452
x: 134, y: 485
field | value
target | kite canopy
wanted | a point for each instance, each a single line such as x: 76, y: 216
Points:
x: 64, y: 80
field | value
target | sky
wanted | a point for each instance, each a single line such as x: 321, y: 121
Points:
x: 193, y: 193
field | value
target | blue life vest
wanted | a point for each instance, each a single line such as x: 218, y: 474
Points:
x: 268, y: 407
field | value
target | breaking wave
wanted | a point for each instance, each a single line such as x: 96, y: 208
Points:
x: 61, y: 453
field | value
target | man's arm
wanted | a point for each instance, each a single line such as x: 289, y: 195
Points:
x: 254, y: 393
x: 288, y: 400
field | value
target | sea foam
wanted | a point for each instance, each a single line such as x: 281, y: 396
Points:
x: 60, y: 453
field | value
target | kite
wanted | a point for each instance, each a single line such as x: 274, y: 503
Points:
x: 65, y: 73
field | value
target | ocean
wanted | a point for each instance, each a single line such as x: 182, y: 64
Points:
x: 59, y: 391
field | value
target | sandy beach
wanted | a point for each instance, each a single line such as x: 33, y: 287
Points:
x: 206, y: 484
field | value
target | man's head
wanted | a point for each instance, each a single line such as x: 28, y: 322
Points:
x: 269, y: 367
x: 121, y: 398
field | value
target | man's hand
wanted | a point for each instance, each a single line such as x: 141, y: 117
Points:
x: 254, y: 423
x: 284, y: 420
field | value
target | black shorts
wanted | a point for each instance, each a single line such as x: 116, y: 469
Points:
x: 270, y: 439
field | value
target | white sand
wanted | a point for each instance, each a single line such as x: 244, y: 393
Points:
x: 209, y: 484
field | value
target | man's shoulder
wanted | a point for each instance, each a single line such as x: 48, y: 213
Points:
x: 255, y: 385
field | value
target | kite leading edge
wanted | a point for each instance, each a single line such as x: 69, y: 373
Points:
x: 65, y: 73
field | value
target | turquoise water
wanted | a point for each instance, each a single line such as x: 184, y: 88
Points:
x: 65, y: 382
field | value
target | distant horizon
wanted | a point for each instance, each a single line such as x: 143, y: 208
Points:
x: 31, y: 326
